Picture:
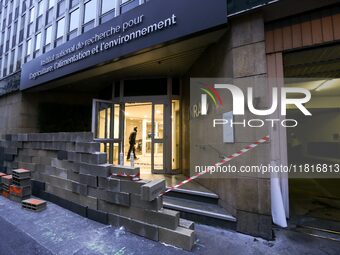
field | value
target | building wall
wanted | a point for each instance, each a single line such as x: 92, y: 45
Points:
x: 16, y: 114
x: 239, y: 54
x: 19, y: 112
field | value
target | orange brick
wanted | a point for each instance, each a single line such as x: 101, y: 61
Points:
x: 5, y: 194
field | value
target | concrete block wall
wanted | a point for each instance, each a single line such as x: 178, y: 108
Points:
x: 68, y: 169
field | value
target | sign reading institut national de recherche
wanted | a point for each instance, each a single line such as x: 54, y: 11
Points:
x: 154, y: 23
x: 76, y: 53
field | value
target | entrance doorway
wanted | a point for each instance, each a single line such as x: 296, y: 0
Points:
x: 148, y: 119
x: 156, y: 119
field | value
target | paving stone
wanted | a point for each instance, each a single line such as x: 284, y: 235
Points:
x: 152, y: 190
x: 181, y: 237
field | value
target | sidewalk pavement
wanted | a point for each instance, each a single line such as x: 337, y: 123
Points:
x: 59, y: 231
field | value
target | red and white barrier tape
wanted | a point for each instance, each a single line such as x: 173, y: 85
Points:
x: 227, y: 159
x: 135, y: 177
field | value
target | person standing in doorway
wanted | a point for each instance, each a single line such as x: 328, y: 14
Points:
x: 132, y: 142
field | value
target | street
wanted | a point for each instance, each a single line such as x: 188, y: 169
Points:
x: 58, y: 231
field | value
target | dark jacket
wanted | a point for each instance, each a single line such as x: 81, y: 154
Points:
x: 132, y: 137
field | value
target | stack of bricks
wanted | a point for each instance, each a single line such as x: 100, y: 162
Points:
x: 21, y: 185
x: 6, y: 182
x: 1, y: 175
x: 71, y: 172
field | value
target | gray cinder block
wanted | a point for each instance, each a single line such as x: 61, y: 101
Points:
x: 164, y: 218
x: 125, y: 170
x: 133, y: 187
x: 136, y: 227
x: 152, y: 190
x: 88, y: 180
x: 87, y: 147
x: 181, y: 237
x: 73, y: 176
x: 102, y: 170
x: 140, y: 228
x: 155, y: 205
x: 111, y: 184
x: 93, y: 158
x: 108, y: 207
x: 187, y: 224
x: 118, y: 198
x: 79, y: 188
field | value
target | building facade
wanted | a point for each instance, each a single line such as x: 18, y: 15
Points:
x: 110, y: 66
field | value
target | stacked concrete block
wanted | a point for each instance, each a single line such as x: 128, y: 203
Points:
x: 21, y: 185
x: 6, y: 182
x: 33, y: 204
x: 72, y: 173
x: 1, y: 175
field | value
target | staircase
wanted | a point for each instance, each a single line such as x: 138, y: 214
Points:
x: 200, y: 207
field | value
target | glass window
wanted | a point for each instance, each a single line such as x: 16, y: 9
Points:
x: 60, y: 27
x: 37, y: 42
x: 11, y: 62
x: 48, y: 38
x: 73, y: 3
x: 24, y: 6
x: 32, y: 10
x: 40, y: 8
x: 90, y: 11
x: 51, y: 3
x: 49, y: 16
x: 61, y: 7
x: 107, y: 5
x: 19, y: 56
x: 29, y: 45
x: 74, y: 20
x: 5, y: 65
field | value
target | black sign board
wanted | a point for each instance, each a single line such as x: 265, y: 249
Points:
x: 153, y: 23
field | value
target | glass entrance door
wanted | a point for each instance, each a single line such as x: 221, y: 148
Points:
x: 144, y: 136
x: 150, y: 130
x: 106, y: 128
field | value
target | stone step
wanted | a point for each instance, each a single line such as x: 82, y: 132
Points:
x: 206, y: 197
x: 201, y: 212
